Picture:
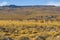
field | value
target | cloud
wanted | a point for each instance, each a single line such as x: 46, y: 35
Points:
x: 4, y: 3
x: 53, y: 3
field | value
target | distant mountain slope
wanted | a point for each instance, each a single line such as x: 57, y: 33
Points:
x: 15, y: 6
x: 28, y: 12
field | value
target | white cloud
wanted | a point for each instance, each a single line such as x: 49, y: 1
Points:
x: 4, y: 3
x: 53, y: 3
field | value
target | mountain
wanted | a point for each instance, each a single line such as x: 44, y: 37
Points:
x: 28, y: 12
x: 15, y: 6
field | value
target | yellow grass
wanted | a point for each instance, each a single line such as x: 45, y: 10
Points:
x: 28, y: 23
x: 17, y: 24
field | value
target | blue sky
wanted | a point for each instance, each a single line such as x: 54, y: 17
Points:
x: 30, y: 2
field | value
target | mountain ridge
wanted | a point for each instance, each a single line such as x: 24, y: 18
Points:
x: 15, y: 6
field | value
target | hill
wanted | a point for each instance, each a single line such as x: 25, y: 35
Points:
x: 13, y: 12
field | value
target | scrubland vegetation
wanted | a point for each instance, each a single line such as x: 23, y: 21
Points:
x: 34, y: 23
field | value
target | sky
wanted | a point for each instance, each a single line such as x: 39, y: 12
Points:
x: 29, y: 2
